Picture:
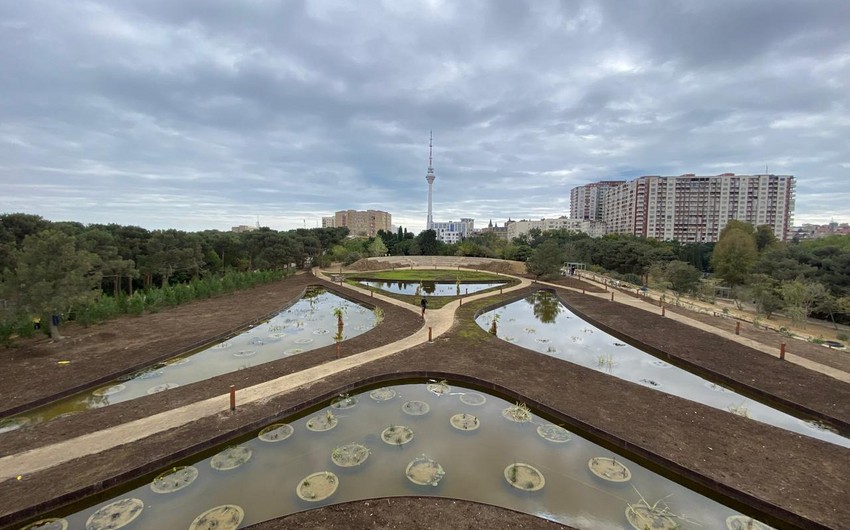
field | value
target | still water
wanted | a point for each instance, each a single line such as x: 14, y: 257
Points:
x: 431, y: 288
x: 542, y: 323
x: 308, y: 324
x: 475, y: 464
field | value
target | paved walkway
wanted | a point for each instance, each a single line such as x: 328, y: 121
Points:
x: 439, y: 320
x: 641, y: 303
x: 39, y: 459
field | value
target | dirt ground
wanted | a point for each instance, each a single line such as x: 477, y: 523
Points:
x: 784, y: 478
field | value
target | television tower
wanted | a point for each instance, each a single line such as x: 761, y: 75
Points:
x: 430, y: 178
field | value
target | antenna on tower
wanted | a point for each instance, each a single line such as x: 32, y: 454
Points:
x: 430, y: 149
x: 258, y: 222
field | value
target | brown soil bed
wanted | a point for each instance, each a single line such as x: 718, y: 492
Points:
x: 750, y: 465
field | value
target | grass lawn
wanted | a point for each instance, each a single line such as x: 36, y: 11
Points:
x: 439, y: 275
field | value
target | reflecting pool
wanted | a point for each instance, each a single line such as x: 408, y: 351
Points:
x: 308, y: 324
x: 431, y: 288
x: 411, y: 439
x: 542, y: 323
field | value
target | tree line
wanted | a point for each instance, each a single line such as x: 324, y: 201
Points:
x: 56, y: 270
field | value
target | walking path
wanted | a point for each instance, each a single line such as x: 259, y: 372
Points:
x: 32, y: 461
x: 438, y: 320
x: 642, y: 304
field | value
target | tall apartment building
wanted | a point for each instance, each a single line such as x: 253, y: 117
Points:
x: 690, y: 208
x: 586, y: 201
x: 452, y: 231
x: 592, y: 228
x: 360, y: 223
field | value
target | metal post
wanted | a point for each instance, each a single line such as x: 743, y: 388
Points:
x: 782, y: 351
x: 232, y: 397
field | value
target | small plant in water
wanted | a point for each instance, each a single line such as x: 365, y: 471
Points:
x: 379, y: 315
x: 606, y: 362
x: 740, y: 410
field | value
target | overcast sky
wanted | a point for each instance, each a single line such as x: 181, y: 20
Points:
x: 197, y: 114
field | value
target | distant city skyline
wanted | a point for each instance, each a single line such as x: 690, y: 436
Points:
x: 206, y: 114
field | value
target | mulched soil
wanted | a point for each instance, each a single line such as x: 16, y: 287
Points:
x: 787, y: 479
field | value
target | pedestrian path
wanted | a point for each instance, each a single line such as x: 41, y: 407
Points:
x: 39, y: 459
x: 642, y: 304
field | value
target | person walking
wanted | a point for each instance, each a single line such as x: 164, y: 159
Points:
x: 424, y: 304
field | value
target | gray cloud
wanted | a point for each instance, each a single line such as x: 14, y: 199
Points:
x: 208, y: 113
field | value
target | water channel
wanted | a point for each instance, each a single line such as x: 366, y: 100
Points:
x: 542, y: 323
x: 431, y: 438
x: 431, y: 288
x: 308, y: 324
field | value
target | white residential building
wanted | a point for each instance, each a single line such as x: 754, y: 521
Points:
x: 592, y: 228
x: 454, y: 231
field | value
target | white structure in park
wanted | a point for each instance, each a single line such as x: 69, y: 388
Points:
x: 454, y: 231
x: 429, y: 176
x: 592, y: 228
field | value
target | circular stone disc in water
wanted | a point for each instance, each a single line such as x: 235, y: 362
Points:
x: 109, y: 390
x: 438, y: 388
x: 524, y: 477
x: 659, y: 363
x: 174, y: 479
x: 51, y: 523
x: 362, y: 327
x: 161, y: 388
x: 276, y: 336
x: 350, y: 455
x: 320, y: 332
x: 13, y: 424
x: 715, y: 387
x: 517, y: 413
x: 609, y: 469
x: 650, y: 383
x: 344, y: 402
x: 415, y: 408
x: 222, y: 345
x: 465, y: 422
x: 231, y: 458
x: 224, y: 517
x: 424, y: 471
x: 554, y: 433
x: 244, y: 353
x: 742, y: 522
x: 473, y: 398
x: 115, y: 515
x: 317, y: 487
x: 147, y: 374
x: 382, y: 394
x: 276, y: 432
x: 644, y: 518
x: 322, y: 422
x: 397, y: 435
x: 819, y: 426
x: 303, y: 340
x: 293, y: 351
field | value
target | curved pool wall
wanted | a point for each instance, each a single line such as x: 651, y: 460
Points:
x: 431, y: 288
x: 306, y: 325
x: 474, y: 463
x: 540, y: 322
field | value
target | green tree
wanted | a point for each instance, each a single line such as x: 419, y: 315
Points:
x: 801, y: 297
x: 734, y: 253
x: 683, y: 277
x: 546, y: 260
x: 428, y: 244
x: 764, y: 237
x: 52, y: 276
x: 377, y: 247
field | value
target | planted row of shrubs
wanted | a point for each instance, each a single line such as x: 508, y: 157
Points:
x: 147, y: 300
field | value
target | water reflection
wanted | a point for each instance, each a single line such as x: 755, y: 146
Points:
x: 541, y: 323
x: 431, y: 288
x: 531, y: 466
x: 312, y: 322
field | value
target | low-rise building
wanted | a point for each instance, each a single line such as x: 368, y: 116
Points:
x: 362, y: 223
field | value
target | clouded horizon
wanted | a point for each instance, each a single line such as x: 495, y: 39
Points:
x: 206, y: 114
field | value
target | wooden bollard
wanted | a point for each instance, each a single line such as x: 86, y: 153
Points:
x: 737, y: 328
x: 500, y: 290
x: 429, y: 333
x: 232, y: 397
x: 461, y: 300
x: 660, y: 303
x: 371, y: 294
x: 582, y: 290
x: 612, y: 297
x: 782, y: 351
x: 663, y: 311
